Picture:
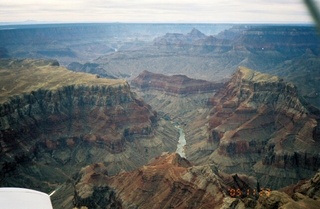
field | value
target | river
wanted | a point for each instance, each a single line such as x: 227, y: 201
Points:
x: 181, y: 143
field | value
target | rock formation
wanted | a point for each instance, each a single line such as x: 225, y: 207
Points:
x: 54, y: 121
x: 305, y: 194
x: 175, y: 84
x: 169, y: 181
x: 260, y: 126
x: 175, y: 97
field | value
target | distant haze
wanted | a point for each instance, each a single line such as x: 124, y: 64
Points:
x: 177, y: 11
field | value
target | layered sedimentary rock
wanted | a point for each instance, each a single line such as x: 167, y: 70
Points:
x: 167, y: 182
x: 54, y: 121
x: 304, y: 73
x: 176, y: 84
x: 177, y: 97
x: 170, y: 181
x: 288, y: 39
x: 260, y: 126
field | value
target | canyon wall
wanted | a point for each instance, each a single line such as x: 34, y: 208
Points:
x: 54, y: 121
x: 259, y: 126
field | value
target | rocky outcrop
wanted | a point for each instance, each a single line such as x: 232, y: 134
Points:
x: 54, y: 121
x: 259, y: 125
x: 302, y: 195
x: 170, y: 181
x: 167, y: 182
x: 309, y: 188
x: 175, y: 84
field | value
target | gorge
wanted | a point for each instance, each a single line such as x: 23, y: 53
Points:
x: 256, y: 122
x: 174, y: 118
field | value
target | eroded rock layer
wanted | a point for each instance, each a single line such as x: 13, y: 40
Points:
x: 167, y: 182
x: 170, y: 181
x: 176, y: 84
x: 259, y: 126
x: 54, y: 121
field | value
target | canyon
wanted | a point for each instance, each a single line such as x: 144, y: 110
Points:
x: 162, y: 115
x: 177, y: 97
x: 290, y: 52
x: 255, y: 124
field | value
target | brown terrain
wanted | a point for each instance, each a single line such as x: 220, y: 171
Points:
x: 90, y: 139
x: 259, y: 126
x: 175, y: 84
x: 54, y: 121
x: 253, y: 137
x: 175, y: 97
x: 170, y: 181
x: 256, y: 124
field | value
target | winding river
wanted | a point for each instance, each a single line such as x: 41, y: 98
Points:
x: 181, y: 143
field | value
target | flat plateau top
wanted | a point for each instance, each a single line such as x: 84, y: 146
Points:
x: 255, y: 76
x: 24, y: 76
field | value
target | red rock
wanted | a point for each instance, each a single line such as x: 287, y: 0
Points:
x: 176, y: 84
x: 167, y: 182
x: 259, y: 125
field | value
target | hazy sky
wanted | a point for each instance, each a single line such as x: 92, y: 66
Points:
x: 207, y: 11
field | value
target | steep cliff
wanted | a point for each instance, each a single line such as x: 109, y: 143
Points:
x: 54, y: 121
x: 260, y: 126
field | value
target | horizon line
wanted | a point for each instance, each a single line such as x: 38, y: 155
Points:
x: 35, y: 22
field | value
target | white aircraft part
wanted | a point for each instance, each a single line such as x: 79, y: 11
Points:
x: 18, y: 198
